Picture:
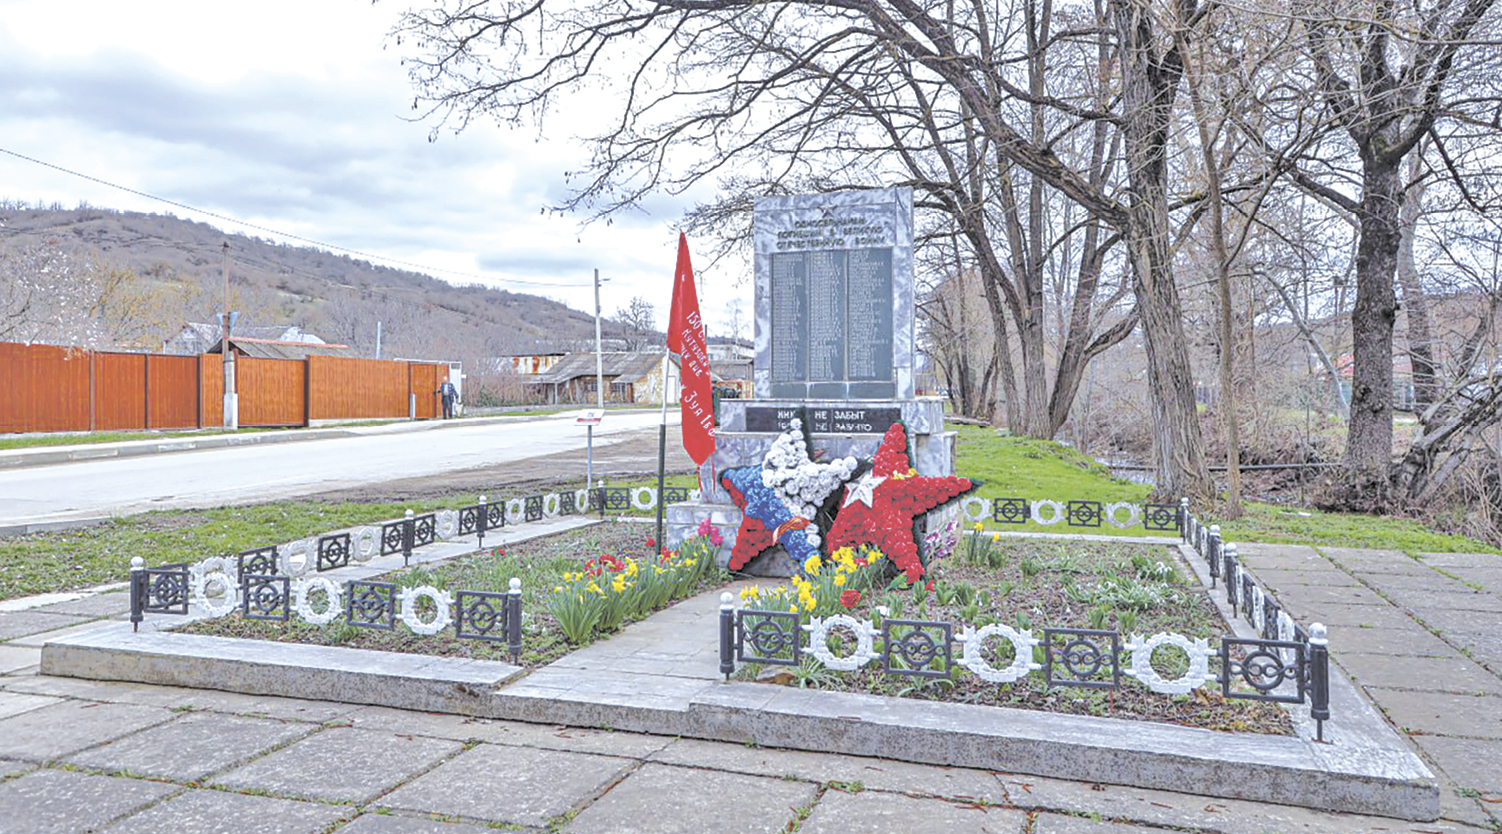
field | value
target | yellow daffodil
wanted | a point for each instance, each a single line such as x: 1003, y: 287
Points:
x: 839, y: 580
x: 979, y: 526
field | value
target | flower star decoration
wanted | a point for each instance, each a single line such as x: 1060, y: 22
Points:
x: 779, y: 499
x: 880, y: 508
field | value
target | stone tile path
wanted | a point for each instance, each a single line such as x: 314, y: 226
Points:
x: 79, y: 756
x: 1428, y: 653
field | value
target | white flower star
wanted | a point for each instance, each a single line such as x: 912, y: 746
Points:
x: 864, y: 489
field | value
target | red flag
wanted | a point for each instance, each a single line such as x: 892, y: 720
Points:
x: 686, y: 338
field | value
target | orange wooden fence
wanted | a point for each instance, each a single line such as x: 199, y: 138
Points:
x: 44, y: 388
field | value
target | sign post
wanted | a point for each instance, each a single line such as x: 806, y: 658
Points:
x: 589, y: 419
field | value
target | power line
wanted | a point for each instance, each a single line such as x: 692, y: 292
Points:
x: 268, y: 230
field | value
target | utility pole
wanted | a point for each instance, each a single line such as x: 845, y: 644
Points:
x: 231, y: 400
x: 378, y: 340
x: 599, y: 355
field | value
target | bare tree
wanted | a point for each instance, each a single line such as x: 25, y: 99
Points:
x: 763, y: 87
x: 638, y: 324
x: 1386, y: 75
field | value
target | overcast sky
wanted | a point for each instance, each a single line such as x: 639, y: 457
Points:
x: 289, y: 114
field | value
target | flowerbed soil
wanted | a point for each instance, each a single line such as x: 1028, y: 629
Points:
x: 539, y: 563
x: 1027, y: 581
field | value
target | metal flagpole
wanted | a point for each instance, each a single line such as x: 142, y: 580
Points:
x: 662, y: 446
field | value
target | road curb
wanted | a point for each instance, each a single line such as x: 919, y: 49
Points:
x: 14, y: 459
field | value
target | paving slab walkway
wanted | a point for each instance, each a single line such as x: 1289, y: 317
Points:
x: 1422, y: 637
x: 80, y: 755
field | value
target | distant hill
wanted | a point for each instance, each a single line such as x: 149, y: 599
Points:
x: 335, y: 296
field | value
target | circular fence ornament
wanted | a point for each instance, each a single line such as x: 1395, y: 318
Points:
x: 976, y: 508
x: 644, y: 503
x: 551, y: 504
x: 818, y: 638
x: 295, y: 558
x: 446, y: 523
x: 365, y: 544
x: 302, y: 599
x: 408, y: 611
x: 581, y: 501
x: 974, y: 657
x: 1134, y: 515
x: 1055, y: 512
x: 515, y: 512
x: 209, y: 572
x: 1142, y: 662
x: 1259, y: 613
x: 1285, y: 633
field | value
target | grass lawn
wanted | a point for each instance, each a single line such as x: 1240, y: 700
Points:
x: 87, y: 438
x: 1022, y: 467
x: 66, y: 559
x: 540, y: 565
x: 1025, y: 467
x: 85, y: 556
x: 1032, y: 584
x: 34, y: 440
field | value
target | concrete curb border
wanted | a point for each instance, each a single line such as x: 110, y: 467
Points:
x: 1367, y: 771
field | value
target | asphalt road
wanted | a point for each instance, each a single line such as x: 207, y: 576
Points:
x: 214, y: 477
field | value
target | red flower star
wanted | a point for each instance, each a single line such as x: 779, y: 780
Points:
x: 880, y: 509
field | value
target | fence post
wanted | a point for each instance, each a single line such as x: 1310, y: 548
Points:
x: 1213, y: 557
x: 1319, y: 678
x: 600, y: 500
x: 514, y: 619
x: 137, y: 592
x: 480, y: 525
x: 1184, y: 518
x: 1232, y: 591
x: 727, y: 630
x: 409, y: 534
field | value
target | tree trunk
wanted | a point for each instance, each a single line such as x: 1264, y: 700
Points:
x: 1426, y: 385
x: 1369, y: 444
x: 1149, y: 86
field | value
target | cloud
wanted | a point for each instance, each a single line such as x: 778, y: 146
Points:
x: 232, y: 111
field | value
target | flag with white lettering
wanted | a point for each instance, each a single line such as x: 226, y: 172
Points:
x: 686, y: 338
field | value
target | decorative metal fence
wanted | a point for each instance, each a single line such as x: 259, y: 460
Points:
x: 1075, y: 513
x: 1251, y: 669
x: 625, y: 499
x: 473, y: 615
x: 1286, y: 663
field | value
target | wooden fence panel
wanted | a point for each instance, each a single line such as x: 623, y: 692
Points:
x: 171, y: 392
x: 425, y: 380
x: 346, y: 388
x: 119, y: 391
x: 43, y: 388
x: 211, y: 388
x: 272, y: 391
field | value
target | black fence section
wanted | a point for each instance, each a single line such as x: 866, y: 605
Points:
x: 411, y: 532
x: 1287, y: 651
x: 484, y: 516
x: 162, y: 590
x: 371, y: 605
x: 494, y: 617
x: 1081, y: 513
x: 334, y: 551
x: 1254, y: 669
x: 265, y: 597
x: 624, y: 499
x: 260, y: 560
x: 1083, y: 657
